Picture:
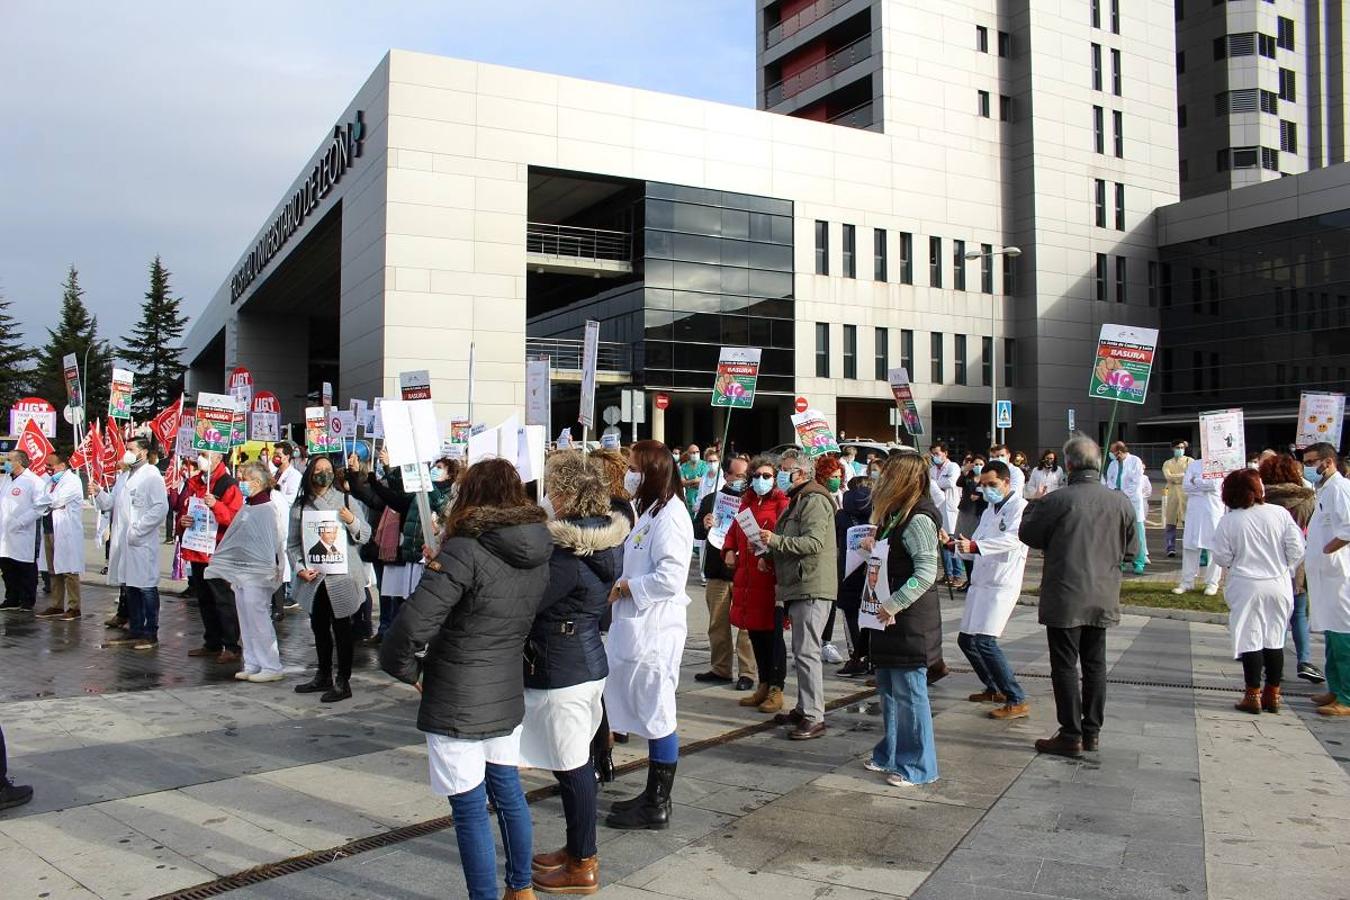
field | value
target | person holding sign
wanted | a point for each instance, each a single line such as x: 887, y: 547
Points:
x: 647, y: 635
x: 901, y: 607
x: 331, y: 592
x: 206, y: 506
x: 712, y: 524
x: 753, y: 606
x: 1204, y: 509
x: 1328, y: 568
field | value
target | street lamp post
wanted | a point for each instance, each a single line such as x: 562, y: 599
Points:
x: 1010, y: 252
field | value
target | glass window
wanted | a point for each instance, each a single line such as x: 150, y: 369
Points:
x: 822, y: 247
x: 1244, y: 157
x: 698, y: 248
x: 1099, y: 129
x: 1009, y: 361
x: 1096, y: 10
x: 822, y: 350
x: 1115, y: 72
x: 1120, y: 206
x: 660, y: 214
x: 1099, y: 198
x: 935, y: 350
x: 1288, y: 85
x: 1288, y: 137
x: 986, y: 360
x: 1115, y: 15
x: 693, y: 219
x: 850, y: 252
x: 907, y: 350
x: 770, y: 284
x: 1120, y: 279
x: 850, y: 351
x: 1285, y: 32
x: 959, y: 360
x: 879, y: 254
x: 658, y: 244
x: 1118, y: 120
x: 1265, y: 46
x: 1096, y: 67
x: 883, y: 351
x: 1009, y: 275
x: 1100, y: 279
x: 1005, y: 108
x: 735, y: 281
x: 983, y: 99
x: 1270, y: 159
x: 697, y: 277
x: 906, y: 258
x: 935, y: 262
x: 959, y: 265
x: 987, y: 268
x: 1004, y: 44
x: 736, y: 223
x: 981, y: 39
x: 1152, y: 283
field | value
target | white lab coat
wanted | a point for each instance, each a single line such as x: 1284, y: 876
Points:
x: 20, y: 509
x: 283, y: 496
x: 944, y: 479
x: 138, y: 512
x: 1260, y: 547
x: 1204, y: 509
x: 711, y: 483
x: 1133, y: 484
x: 647, y: 635
x: 1049, y: 479
x: 65, y: 499
x: 996, y: 578
x: 1017, y: 479
x: 1329, y: 574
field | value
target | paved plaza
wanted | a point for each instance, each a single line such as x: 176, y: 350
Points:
x: 156, y: 774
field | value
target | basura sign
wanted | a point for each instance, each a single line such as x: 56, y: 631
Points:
x: 342, y: 150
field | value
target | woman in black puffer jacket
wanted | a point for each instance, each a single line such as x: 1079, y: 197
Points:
x: 472, y: 611
x: 565, y: 665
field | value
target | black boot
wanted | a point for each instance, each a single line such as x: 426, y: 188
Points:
x: 602, y: 756
x: 322, y: 681
x: 340, y: 690
x: 652, y: 809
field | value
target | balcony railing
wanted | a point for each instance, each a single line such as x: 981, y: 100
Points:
x: 578, y: 243
x: 565, y: 354
x: 796, y: 22
x: 860, y: 116
x: 832, y: 65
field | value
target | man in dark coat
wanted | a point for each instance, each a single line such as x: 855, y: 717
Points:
x: 718, y: 591
x: 1086, y: 531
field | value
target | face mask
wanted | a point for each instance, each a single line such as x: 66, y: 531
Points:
x: 56, y: 476
x: 245, y: 489
x: 1309, y: 472
x: 439, y: 474
x: 693, y: 457
x: 323, y: 479
x: 277, y: 461
x: 833, y: 483
x: 128, y: 458
x: 937, y: 460
x: 784, y: 480
x: 736, y: 486
x: 875, y: 473
x: 9, y: 467
x: 1178, y: 453
x: 762, y: 485
x: 632, y: 481
x: 976, y: 469
x: 992, y: 494
x: 713, y: 461
x: 1049, y: 463
x: 1002, y: 459
x: 204, y: 463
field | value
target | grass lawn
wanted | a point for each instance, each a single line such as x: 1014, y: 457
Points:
x: 1160, y: 596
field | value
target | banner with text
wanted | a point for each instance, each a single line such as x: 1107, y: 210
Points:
x: 1123, y: 363
x: 737, y: 373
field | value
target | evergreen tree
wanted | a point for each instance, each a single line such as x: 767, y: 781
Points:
x: 76, y: 332
x: 14, y: 362
x: 152, y: 350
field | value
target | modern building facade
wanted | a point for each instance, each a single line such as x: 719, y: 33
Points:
x: 459, y: 204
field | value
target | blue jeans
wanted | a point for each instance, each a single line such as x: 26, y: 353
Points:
x: 951, y: 565
x: 1298, y: 624
x: 143, y: 612
x: 990, y: 665
x: 477, y: 851
x: 907, y: 747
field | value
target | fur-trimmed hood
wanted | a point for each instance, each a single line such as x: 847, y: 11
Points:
x: 1299, y: 500
x: 513, y: 534
x: 586, y: 537
x: 491, y: 518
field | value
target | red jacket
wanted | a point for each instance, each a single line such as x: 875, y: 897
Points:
x: 752, y: 590
x: 227, y: 505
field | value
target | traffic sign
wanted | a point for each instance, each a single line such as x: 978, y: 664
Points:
x: 1003, y: 413
x: 801, y: 405
x: 662, y: 401
x: 611, y: 415
x: 1073, y: 421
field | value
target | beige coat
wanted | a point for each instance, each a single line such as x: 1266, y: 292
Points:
x: 1174, y: 506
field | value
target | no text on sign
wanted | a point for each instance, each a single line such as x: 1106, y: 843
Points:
x: 1003, y: 413
x: 662, y: 401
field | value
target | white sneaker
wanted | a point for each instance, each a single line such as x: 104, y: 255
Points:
x: 873, y: 767
x: 1211, y: 590
x: 1180, y: 589
x: 243, y: 675
x: 895, y: 780
x: 264, y: 677
x: 830, y: 654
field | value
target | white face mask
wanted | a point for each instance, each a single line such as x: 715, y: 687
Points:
x: 129, y: 458
x: 204, y: 463
x: 632, y: 481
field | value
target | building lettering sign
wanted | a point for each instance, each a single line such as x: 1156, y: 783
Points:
x: 344, y: 148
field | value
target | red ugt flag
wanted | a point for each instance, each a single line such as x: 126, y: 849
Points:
x: 90, y: 454
x: 165, y: 425
x: 34, y: 443
x: 113, y: 446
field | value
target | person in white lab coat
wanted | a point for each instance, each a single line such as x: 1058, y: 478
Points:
x: 943, y: 475
x: 647, y: 634
x: 1327, y: 565
x: 1260, y: 546
x: 995, y: 582
x: 1125, y: 473
x: 65, y: 500
x: 1203, y: 511
x: 1016, y: 477
x: 137, y: 511
x: 1046, y: 478
x: 20, y: 509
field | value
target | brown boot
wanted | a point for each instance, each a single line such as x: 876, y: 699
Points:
x: 774, y: 702
x: 1270, y: 699
x: 577, y: 876
x: 522, y: 894
x: 1011, y: 711
x: 1334, y: 708
x: 1323, y: 699
x: 759, y: 696
x: 1250, y: 702
x: 987, y: 697
x: 548, y: 862
x: 50, y: 612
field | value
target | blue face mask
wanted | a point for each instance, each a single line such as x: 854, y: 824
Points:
x: 1178, y: 453
x: 1309, y: 472
x: 784, y: 480
x: 937, y: 460
x: 737, y: 485
x: 762, y: 485
x: 976, y: 469
x: 9, y: 468
x: 56, y: 476
x: 993, y: 494
x: 245, y: 489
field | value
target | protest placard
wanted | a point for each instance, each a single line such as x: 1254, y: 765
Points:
x: 317, y: 438
x: 724, y: 512
x: 1321, y: 416
x: 1123, y: 363
x: 213, y: 422
x: 119, y: 394
x: 70, y: 368
x: 200, y: 535
x: 414, y: 385
x: 1223, y: 446
x: 538, y: 388
x: 34, y: 408
x: 750, y: 528
x: 814, y: 433
x: 855, y: 555
x: 904, y: 400
x: 409, y: 431
x: 589, y: 351
x: 875, y: 586
x: 324, y: 539
x: 737, y: 373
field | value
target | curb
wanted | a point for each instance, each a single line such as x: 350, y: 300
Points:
x: 1155, y: 612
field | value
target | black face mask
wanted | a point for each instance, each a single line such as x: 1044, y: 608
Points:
x: 1049, y: 463
x: 323, y: 479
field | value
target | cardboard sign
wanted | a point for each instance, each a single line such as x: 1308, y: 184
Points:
x: 853, y: 540
x: 589, y: 350
x: 409, y: 431
x: 904, y: 401
x: 324, y: 540
x: 750, y: 528
x: 213, y: 423
x: 374, y: 420
x: 265, y: 426
x: 875, y: 585
x: 724, y: 512
x: 186, y: 435
x: 239, y: 425
x: 538, y: 387
x: 814, y: 433
x: 200, y: 535
x: 1223, y: 446
x: 1321, y: 416
x: 119, y: 394
x: 70, y: 367
x: 241, y: 385
x: 1123, y: 363
x: 359, y: 410
x: 36, y: 409
x: 416, y: 478
x: 317, y: 438
x: 415, y: 385
x: 737, y: 373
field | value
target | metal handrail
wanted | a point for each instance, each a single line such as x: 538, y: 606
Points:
x: 578, y: 243
x: 796, y: 22
x: 836, y: 62
x: 566, y: 354
x: 859, y: 116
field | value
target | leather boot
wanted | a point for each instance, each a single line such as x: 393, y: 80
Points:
x: 774, y: 702
x: 1323, y: 699
x: 548, y: 862
x: 1250, y: 702
x: 322, y: 681
x: 759, y: 696
x: 640, y: 799
x: 654, y: 813
x: 341, y: 690
x: 1270, y: 699
x: 521, y: 894
x: 575, y: 876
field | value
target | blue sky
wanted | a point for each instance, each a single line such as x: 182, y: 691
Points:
x: 173, y: 128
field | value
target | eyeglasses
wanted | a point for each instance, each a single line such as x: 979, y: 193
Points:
x: 764, y: 476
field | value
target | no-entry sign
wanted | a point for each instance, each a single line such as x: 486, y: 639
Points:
x: 662, y: 401
x: 801, y: 405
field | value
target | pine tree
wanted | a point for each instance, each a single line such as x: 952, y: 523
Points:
x: 15, y: 371
x: 152, y: 350
x: 76, y: 332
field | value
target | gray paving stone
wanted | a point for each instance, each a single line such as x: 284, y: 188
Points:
x: 1081, y: 882
x: 1014, y: 872
x: 1185, y: 860
x: 1174, y: 829
x: 1072, y: 793
x: 1079, y: 847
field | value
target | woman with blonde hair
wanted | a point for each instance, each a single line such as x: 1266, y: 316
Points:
x: 903, y: 604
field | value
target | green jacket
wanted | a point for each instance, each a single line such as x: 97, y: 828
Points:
x: 803, y: 546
